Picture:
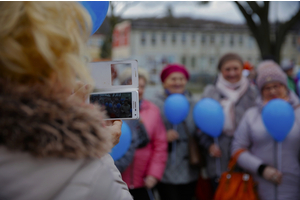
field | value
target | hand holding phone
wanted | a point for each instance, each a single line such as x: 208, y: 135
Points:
x: 115, y: 129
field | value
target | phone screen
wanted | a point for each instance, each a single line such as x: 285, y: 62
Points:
x: 117, y: 105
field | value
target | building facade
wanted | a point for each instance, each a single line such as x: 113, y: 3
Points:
x: 198, y: 44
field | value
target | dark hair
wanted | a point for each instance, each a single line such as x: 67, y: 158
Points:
x: 229, y: 56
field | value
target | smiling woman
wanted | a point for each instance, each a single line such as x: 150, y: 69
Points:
x: 236, y: 95
x: 179, y: 178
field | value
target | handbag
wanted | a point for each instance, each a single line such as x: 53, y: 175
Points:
x: 236, y: 185
x: 195, y: 157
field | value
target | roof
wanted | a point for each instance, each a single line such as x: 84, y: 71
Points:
x: 184, y: 23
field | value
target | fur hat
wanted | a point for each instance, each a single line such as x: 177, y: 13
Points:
x: 269, y: 71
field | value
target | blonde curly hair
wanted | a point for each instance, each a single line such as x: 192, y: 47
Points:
x: 42, y: 40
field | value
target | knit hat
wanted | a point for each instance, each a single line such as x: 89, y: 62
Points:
x: 286, y: 65
x: 171, y: 68
x: 269, y: 71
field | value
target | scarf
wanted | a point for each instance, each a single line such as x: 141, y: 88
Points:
x: 232, y: 92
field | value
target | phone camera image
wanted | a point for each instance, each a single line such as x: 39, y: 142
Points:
x: 117, y: 105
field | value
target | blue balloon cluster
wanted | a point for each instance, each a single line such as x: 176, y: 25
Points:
x: 209, y: 117
x: 125, y: 140
x: 97, y: 11
x: 278, y: 117
x: 176, y: 108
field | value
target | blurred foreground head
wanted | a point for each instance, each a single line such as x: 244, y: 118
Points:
x: 44, y: 42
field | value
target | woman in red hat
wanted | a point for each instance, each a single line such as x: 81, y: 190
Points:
x: 179, y: 179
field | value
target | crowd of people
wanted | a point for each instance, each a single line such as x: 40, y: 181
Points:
x: 55, y: 146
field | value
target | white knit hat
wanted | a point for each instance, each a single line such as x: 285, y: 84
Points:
x: 126, y: 75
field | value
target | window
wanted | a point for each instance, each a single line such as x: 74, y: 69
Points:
x: 183, y: 60
x: 153, y: 39
x: 241, y: 40
x: 212, y: 39
x: 193, y: 38
x: 211, y: 61
x: 143, y: 38
x: 163, y: 37
x: 173, y: 38
x: 222, y: 40
x: 231, y: 41
x: 294, y: 41
x: 203, y: 39
x: 183, y: 38
x: 193, y: 62
x: 250, y: 42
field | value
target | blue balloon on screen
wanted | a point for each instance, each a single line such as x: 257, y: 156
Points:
x: 176, y: 108
x: 125, y: 140
x: 209, y: 117
x: 97, y: 11
x: 106, y: 104
x: 278, y: 117
x: 118, y: 105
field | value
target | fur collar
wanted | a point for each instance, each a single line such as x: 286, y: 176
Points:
x: 45, y: 123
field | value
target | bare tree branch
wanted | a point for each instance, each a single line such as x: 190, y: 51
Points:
x: 248, y: 18
x: 254, y: 6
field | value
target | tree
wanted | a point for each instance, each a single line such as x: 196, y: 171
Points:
x: 269, y: 38
x: 113, y: 19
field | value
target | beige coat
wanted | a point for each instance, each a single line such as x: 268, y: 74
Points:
x: 52, y: 147
x: 23, y: 177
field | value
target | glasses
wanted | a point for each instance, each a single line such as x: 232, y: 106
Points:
x: 275, y: 87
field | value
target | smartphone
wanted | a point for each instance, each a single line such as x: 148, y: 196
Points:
x: 118, y: 105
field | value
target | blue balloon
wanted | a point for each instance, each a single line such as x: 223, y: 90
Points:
x: 97, y: 11
x: 278, y: 117
x: 125, y: 140
x: 118, y: 105
x: 176, y: 108
x: 110, y: 105
x: 106, y: 104
x: 209, y: 117
x: 298, y: 75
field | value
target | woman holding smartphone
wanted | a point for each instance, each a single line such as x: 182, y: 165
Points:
x: 179, y: 179
x: 52, y: 144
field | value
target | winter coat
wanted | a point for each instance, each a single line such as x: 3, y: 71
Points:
x: 139, y: 139
x: 151, y: 159
x: 179, y: 172
x: 251, y: 134
x: 245, y: 102
x: 52, y: 147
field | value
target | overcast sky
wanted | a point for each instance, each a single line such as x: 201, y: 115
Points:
x: 225, y: 11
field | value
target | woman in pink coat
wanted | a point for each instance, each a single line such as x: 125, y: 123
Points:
x: 149, y: 162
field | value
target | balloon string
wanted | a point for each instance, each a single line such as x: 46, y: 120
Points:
x: 279, y: 154
x: 173, y: 154
x: 150, y: 194
x: 218, y: 161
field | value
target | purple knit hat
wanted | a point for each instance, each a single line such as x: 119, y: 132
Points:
x: 269, y: 71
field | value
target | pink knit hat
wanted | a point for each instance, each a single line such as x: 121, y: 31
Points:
x: 269, y: 71
x: 169, y: 69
